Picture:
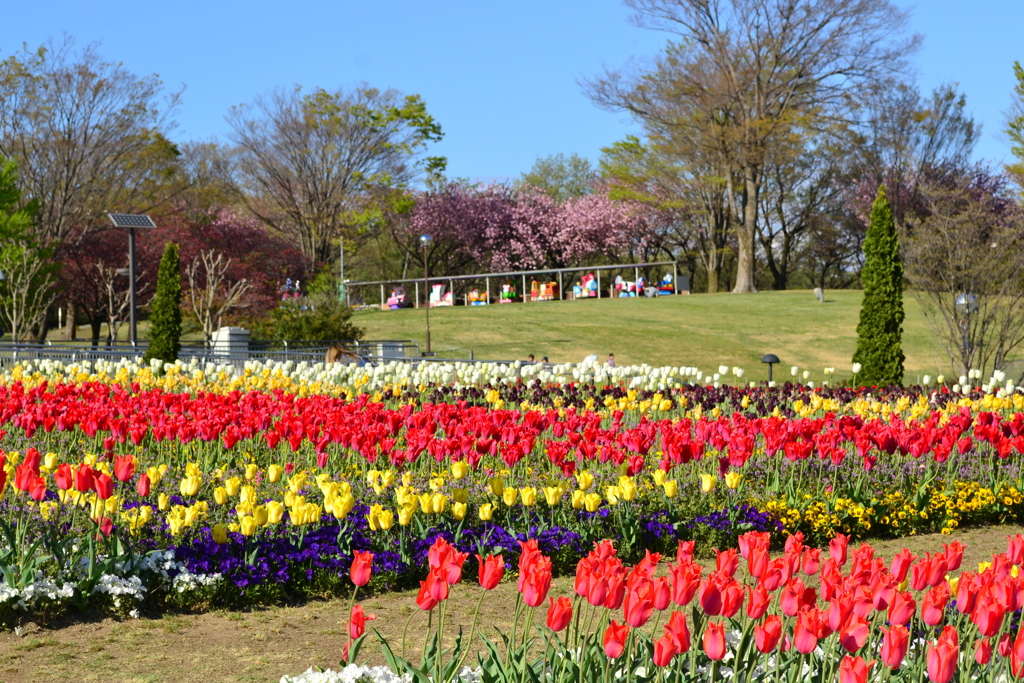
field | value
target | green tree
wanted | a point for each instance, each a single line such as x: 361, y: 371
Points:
x: 561, y: 177
x: 1015, y: 126
x: 880, y: 330
x: 27, y: 288
x: 165, y: 319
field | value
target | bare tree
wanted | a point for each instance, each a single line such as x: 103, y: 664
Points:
x: 27, y: 288
x: 740, y: 73
x: 209, y: 292
x: 964, y: 256
x: 87, y: 135
x: 307, y: 164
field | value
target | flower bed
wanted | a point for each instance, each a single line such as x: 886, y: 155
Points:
x: 258, y: 487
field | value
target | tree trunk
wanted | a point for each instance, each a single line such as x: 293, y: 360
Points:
x: 70, y: 328
x: 94, y: 326
x: 746, y: 235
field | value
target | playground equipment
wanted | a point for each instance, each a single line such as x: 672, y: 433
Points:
x: 438, y: 296
x: 398, y: 299
x: 508, y: 293
x: 475, y: 298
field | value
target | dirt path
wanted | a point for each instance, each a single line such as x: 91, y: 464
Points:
x: 262, y: 645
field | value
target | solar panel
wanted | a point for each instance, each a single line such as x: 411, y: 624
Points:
x: 128, y: 220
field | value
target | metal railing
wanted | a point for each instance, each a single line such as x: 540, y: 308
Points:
x: 374, y: 351
x: 518, y: 276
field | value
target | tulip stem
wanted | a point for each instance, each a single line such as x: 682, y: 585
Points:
x: 348, y: 623
x: 472, y: 631
x: 426, y: 639
x: 405, y: 631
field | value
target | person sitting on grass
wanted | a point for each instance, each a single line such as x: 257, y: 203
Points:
x: 611, y: 360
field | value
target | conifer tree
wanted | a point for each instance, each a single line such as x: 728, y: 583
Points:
x: 880, y: 330
x: 165, y: 319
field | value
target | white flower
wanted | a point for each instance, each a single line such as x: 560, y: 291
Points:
x: 856, y: 368
x: 807, y: 374
x: 794, y: 370
x: 927, y: 380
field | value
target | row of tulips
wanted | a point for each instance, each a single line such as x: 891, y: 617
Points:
x: 805, y: 615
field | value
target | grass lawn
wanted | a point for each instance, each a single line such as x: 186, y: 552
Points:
x: 264, y: 644
x: 702, y: 330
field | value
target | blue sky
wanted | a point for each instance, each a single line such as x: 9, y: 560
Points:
x: 500, y: 76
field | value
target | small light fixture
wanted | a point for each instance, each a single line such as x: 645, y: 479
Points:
x: 771, y: 359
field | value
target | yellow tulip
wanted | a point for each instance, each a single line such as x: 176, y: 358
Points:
x: 155, y: 473
x: 660, y: 477
x: 407, y: 479
x: 289, y: 499
x: 529, y: 495
x: 220, y: 495
x: 460, y: 495
x: 275, y: 512
x: 50, y: 461
x: 438, y: 502
x: 592, y: 501
x: 628, y: 488
x: 671, y: 488
x: 192, y: 470
x: 732, y: 479
x: 220, y: 534
x: 496, y: 486
x: 425, y: 504
x: 585, y: 480
x: 552, y: 494
x: 460, y: 469
x: 387, y: 479
x: 260, y: 515
x: 459, y: 511
x: 486, y: 512
x: 189, y: 486
x: 509, y: 496
x: 274, y: 473
x: 577, y: 500
x: 248, y: 494
x: 613, y: 494
x: 162, y: 502
x: 343, y: 505
x: 405, y: 514
x: 231, y: 485
x: 707, y: 482
x: 247, y: 525
x: 250, y: 471
x: 386, y: 519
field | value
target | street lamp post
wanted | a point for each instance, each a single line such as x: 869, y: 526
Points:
x: 131, y: 221
x: 425, y: 241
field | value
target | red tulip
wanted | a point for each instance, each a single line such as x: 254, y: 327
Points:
x: 942, y: 656
x: 685, y: 581
x: 615, y: 591
x: 64, y: 478
x: 714, y: 640
x: 84, y: 478
x: 357, y: 622
x: 491, y: 570
x: 684, y: 553
x: 901, y: 564
x: 24, y: 476
x: 853, y: 636
x: 805, y: 633
x: 104, y: 486
x: 895, y: 641
x: 662, y: 593
x: 854, y: 670
x: 638, y: 607
x: 727, y: 562
x: 664, y: 650
x: 559, y: 613
x: 537, y: 582
x: 1017, y: 654
x: 437, y: 584
x: 837, y: 548
x: 1005, y: 645
x: 768, y: 634
x: 143, y: 487
x: 933, y: 607
x: 615, y: 639
x: 362, y: 567
x: 902, y: 608
x: 424, y: 600
x: 988, y: 616
x: 37, y: 488
x: 124, y: 467
x: 106, y: 526
x: 967, y: 592
x: 811, y: 561
x: 650, y: 562
x: 983, y: 651
x: 679, y: 631
x: 954, y: 555
x: 710, y: 595
x: 759, y: 599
